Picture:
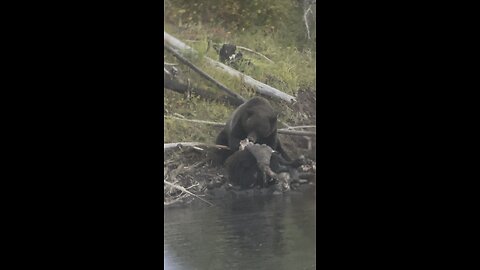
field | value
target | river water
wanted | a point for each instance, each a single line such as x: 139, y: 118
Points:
x: 242, y: 232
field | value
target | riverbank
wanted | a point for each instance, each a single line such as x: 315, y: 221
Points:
x: 291, y: 70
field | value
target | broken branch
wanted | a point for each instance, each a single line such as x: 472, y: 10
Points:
x: 254, y: 52
x: 167, y: 146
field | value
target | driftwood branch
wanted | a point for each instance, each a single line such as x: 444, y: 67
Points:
x: 285, y: 131
x: 186, y: 191
x: 297, y: 133
x: 197, y: 121
x: 260, y: 87
x: 167, y: 146
x: 205, y: 75
x: 299, y: 127
x: 165, y: 71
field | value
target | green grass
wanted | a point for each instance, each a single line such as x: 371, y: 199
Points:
x: 293, y: 69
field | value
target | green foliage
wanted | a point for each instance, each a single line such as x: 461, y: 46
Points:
x: 283, y: 18
x: 192, y: 108
x: 274, y: 28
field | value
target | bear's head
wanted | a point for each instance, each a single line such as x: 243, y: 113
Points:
x: 258, y: 125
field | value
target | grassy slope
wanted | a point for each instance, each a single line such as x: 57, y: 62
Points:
x: 292, y: 70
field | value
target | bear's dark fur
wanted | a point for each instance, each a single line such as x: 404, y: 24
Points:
x: 243, y: 171
x: 226, y: 52
x: 255, y: 120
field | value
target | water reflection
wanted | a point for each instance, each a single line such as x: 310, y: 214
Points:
x: 247, y: 232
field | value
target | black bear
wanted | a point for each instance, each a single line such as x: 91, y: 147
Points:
x: 227, y: 52
x: 255, y: 120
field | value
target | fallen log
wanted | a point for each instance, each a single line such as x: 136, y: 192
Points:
x: 205, y: 75
x: 260, y: 87
x: 179, y: 86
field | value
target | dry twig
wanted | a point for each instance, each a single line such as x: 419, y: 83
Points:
x: 254, y: 52
x: 186, y: 191
x: 167, y: 146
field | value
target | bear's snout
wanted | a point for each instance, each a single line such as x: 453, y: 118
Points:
x: 252, y: 136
